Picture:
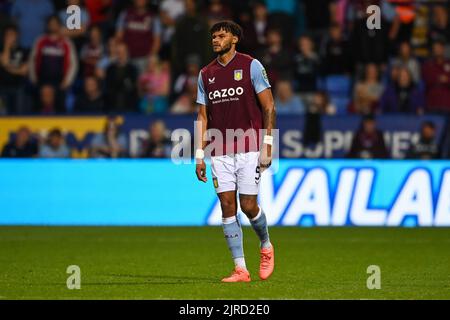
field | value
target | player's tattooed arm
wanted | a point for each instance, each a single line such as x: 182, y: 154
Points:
x: 200, y: 128
x: 269, y: 118
x: 268, y: 109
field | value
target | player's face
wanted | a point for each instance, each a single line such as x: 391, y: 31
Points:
x: 223, y: 41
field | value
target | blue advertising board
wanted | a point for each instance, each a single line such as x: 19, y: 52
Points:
x: 400, y: 131
x: 160, y: 193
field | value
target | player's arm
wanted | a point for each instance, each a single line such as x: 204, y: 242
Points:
x: 200, y: 168
x: 269, y: 118
x: 263, y: 90
x: 200, y: 129
x: 156, y: 45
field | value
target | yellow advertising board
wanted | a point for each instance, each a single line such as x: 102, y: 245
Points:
x: 79, y: 126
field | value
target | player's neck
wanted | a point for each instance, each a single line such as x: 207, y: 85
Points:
x: 226, y: 57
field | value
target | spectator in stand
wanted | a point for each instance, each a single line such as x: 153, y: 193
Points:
x: 403, y: 23
x: 318, y: 106
x: 367, y: 92
x: 426, y: 147
x: 22, y: 146
x: 48, y: 102
x: 154, y: 85
x: 186, y: 103
x: 190, y: 75
x: 368, y: 45
x: 77, y: 35
x: 169, y: 12
x: 217, y: 11
x: 368, y: 142
x: 405, y: 59
x: 5, y: 19
x: 286, y: 101
x: 107, y: 60
x: 321, y: 104
x: 319, y: 15
x: 91, y: 100
x: 391, y: 75
x: 158, y: 144
x: 403, y: 95
x: 191, y: 37
x: 31, y: 17
x: 336, y: 53
x: 100, y: 14
x: 54, y: 62
x: 140, y: 29
x: 281, y: 16
x: 92, y: 52
x: 275, y: 57
x: 13, y: 72
x: 255, y: 29
x: 111, y: 143
x: 341, y: 14
x: 440, y: 27
x: 121, y: 83
x: 55, y: 146
x: 436, y: 75
x: 306, y: 66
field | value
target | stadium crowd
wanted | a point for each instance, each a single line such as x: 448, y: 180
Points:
x: 144, y: 56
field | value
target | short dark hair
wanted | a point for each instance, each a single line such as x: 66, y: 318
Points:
x: 429, y: 124
x: 11, y: 27
x: 53, y: 17
x: 439, y: 42
x: 50, y: 19
x: 55, y: 132
x: 228, y: 26
x: 369, y: 117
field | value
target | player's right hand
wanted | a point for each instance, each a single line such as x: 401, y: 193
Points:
x: 200, y: 170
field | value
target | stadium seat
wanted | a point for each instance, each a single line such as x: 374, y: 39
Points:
x: 337, y: 85
x: 339, y: 89
x: 341, y: 104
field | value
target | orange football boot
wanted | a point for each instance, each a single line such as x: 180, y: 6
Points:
x: 239, y: 275
x: 267, y: 263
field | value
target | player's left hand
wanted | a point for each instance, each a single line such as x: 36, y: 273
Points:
x: 200, y: 171
x: 265, y: 157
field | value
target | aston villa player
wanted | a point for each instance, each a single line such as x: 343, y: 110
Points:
x: 234, y: 95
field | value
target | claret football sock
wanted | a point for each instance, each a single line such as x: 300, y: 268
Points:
x: 233, y: 235
x: 259, y: 224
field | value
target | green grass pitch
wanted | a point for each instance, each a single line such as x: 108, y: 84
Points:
x: 188, y: 263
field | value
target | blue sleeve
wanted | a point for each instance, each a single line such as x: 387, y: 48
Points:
x: 85, y: 17
x: 259, y: 77
x: 388, y: 11
x: 120, y: 24
x: 201, y: 95
x: 157, y: 29
x: 122, y: 141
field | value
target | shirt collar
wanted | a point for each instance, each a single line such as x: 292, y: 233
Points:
x: 224, y: 65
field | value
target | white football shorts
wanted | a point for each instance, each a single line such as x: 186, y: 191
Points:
x: 239, y: 171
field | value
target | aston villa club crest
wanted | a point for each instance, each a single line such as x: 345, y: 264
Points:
x: 238, y: 75
x: 216, y: 183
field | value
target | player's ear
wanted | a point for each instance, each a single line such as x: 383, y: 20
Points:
x: 235, y: 40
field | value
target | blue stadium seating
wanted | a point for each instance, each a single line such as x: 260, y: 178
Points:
x: 339, y: 88
x: 337, y: 85
x: 341, y: 104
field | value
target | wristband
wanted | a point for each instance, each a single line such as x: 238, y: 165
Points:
x: 268, y: 140
x: 199, y: 154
